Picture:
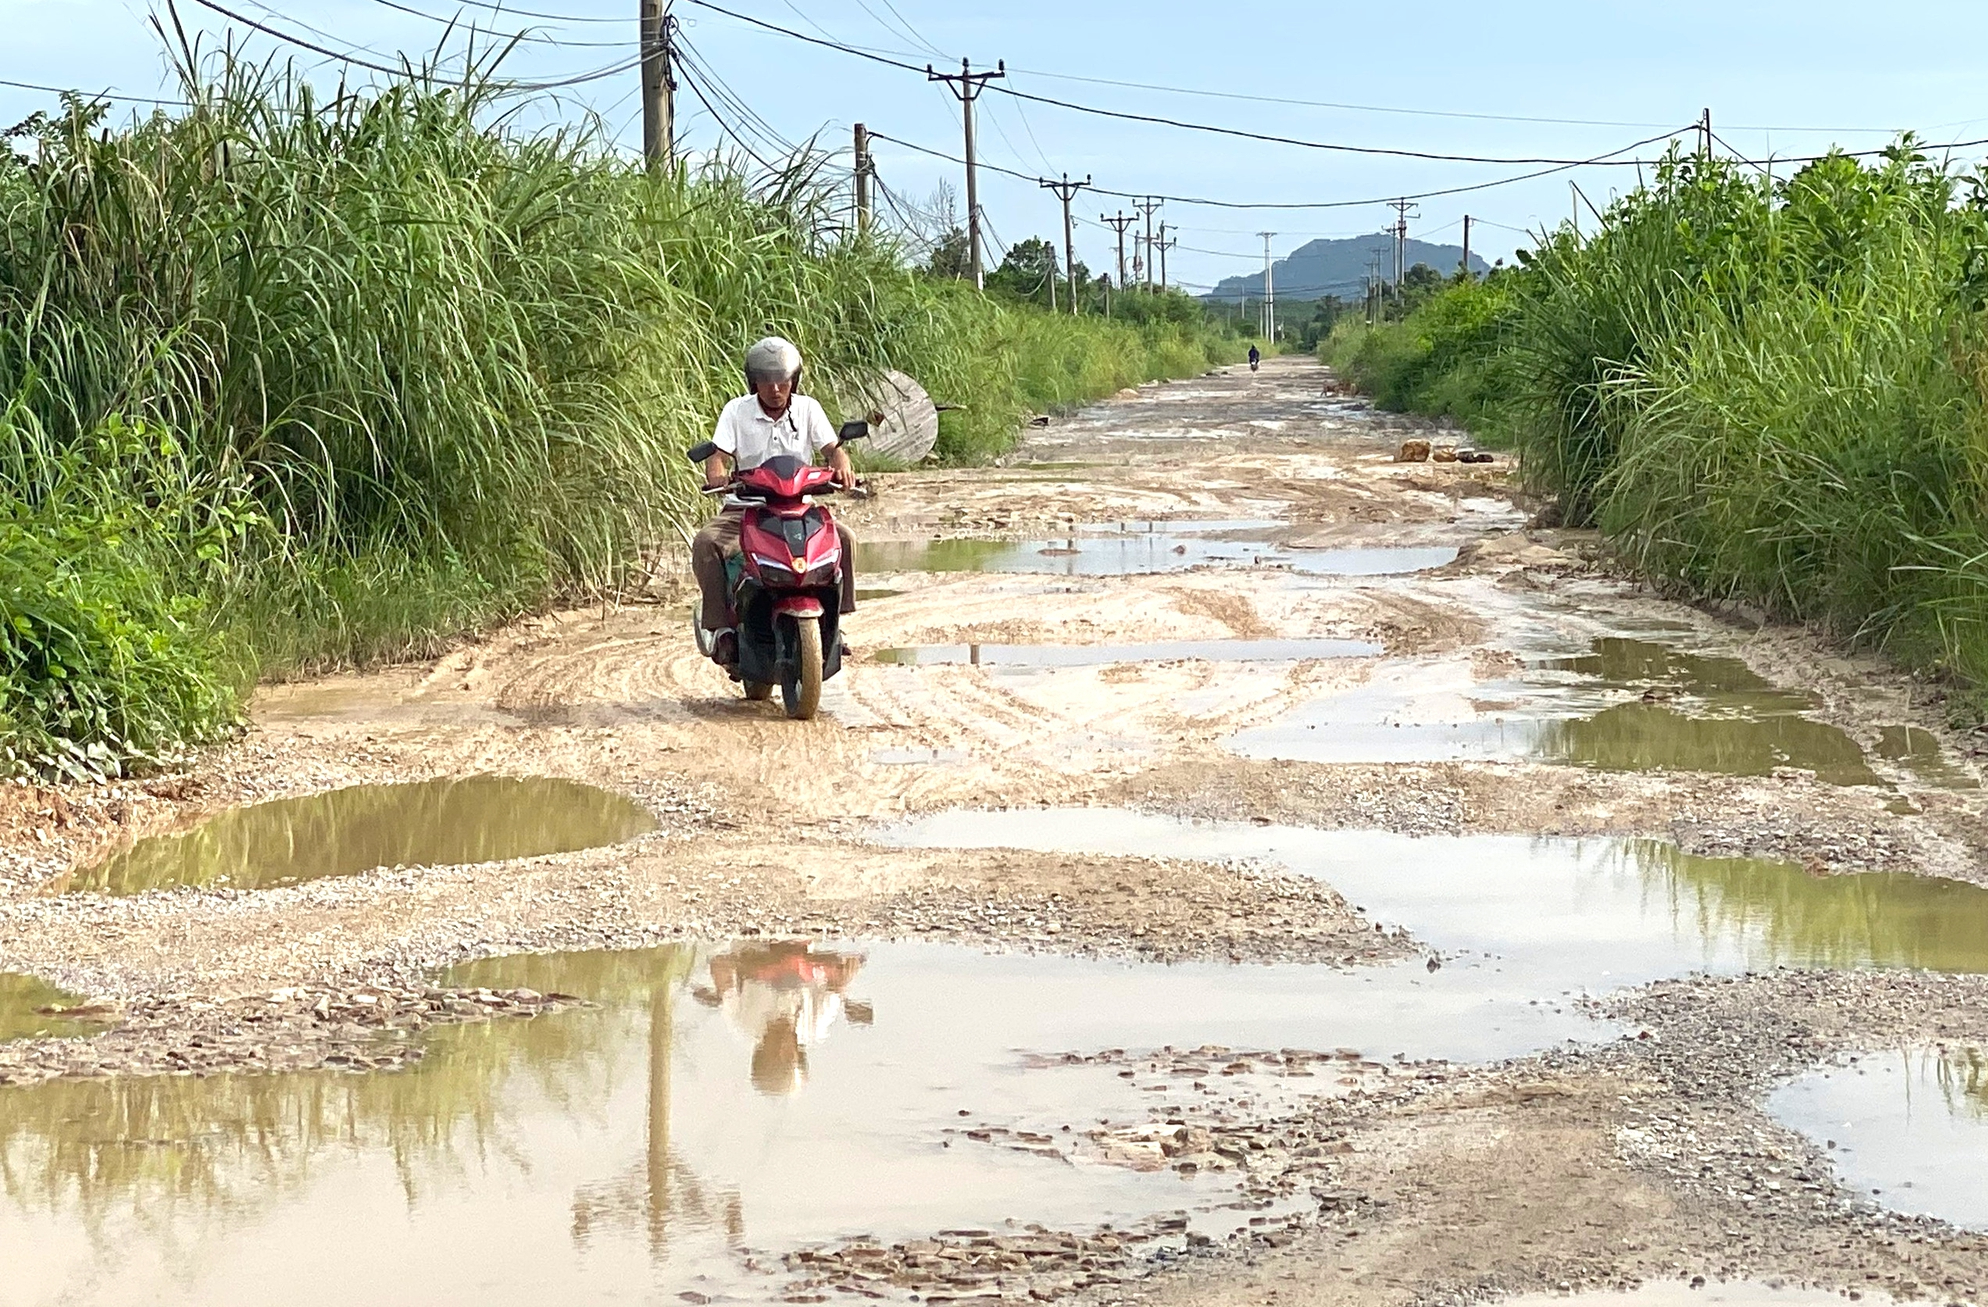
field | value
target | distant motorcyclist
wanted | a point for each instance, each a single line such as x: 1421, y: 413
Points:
x: 1254, y: 358
x: 769, y: 421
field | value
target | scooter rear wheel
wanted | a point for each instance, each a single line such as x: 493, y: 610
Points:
x: 801, y: 692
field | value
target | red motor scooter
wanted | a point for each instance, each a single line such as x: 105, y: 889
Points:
x: 785, y: 580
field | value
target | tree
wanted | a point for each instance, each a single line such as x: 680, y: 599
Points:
x: 950, y: 257
x: 1026, y: 271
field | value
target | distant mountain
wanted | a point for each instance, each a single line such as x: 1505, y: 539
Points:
x: 1339, y: 267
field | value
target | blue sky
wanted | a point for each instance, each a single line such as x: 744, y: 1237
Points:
x: 1780, y: 78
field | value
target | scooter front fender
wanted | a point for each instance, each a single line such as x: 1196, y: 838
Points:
x: 797, y: 606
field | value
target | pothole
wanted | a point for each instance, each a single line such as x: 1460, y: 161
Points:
x: 1918, y: 751
x: 1539, y: 919
x: 725, y: 1119
x: 1627, y: 705
x: 1091, y: 655
x: 347, y: 831
x: 1905, y: 1128
x: 1143, y: 548
x: 31, y: 1008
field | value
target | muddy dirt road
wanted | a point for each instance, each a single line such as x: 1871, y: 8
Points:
x: 1234, y: 867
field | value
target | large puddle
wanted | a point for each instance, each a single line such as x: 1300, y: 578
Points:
x: 1906, y: 1128
x: 1142, y: 548
x: 1626, y: 705
x: 724, y: 1106
x: 1092, y: 655
x: 721, y: 1107
x: 34, y: 1009
x: 1536, y: 917
x: 344, y: 832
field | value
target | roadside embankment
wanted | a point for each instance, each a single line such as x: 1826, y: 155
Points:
x: 1768, y: 394
x: 289, y: 382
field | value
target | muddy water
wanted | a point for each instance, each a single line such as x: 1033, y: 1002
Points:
x: 34, y: 1009
x: 1626, y: 705
x: 1918, y: 751
x: 1142, y: 548
x: 344, y: 832
x: 1906, y: 1128
x: 1536, y: 918
x: 719, y: 1107
x: 1091, y: 655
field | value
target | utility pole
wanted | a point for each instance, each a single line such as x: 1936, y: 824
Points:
x: 1066, y: 190
x: 1705, y: 134
x: 1269, y: 290
x: 1148, y: 206
x: 1401, y: 210
x: 1119, y: 224
x: 1466, y: 245
x: 862, y: 179
x: 658, y: 84
x: 1164, y: 246
x: 966, y: 85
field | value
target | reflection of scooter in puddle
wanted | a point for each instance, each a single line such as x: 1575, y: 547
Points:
x: 787, y: 997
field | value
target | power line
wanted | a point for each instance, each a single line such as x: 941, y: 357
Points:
x: 533, y: 37
x: 1307, y: 204
x: 1174, y: 122
x: 696, y: 88
x: 508, y: 11
x: 1416, y: 113
x: 408, y: 69
x: 95, y: 95
x: 300, y: 42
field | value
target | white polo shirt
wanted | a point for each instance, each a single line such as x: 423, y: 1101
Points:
x: 750, y: 437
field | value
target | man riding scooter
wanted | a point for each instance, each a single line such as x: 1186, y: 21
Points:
x: 769, y: 421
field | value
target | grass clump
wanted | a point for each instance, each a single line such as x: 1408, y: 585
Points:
x: 1763, y: 391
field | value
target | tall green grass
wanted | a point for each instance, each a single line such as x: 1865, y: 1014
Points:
x: 290, y: 380
x: 1765, y: 391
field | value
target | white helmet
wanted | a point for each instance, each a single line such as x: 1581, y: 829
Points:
x: 773, y: 359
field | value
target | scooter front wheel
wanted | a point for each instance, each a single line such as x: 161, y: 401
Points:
x: 801, y: 692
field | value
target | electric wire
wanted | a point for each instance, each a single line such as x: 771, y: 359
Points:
x: 95, y: 95
x: 529, y: 36
x: 1280, y: 204
x: 691, y: 80
x: 1181, y: 124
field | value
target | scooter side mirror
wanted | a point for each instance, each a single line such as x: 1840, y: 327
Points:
x: 702, y: 450
x: 854, y: 430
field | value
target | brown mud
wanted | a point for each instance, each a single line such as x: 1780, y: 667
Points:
x: 1641, y: 1159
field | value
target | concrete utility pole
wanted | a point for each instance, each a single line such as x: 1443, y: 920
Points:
x: 1402, y: 215
x: 967, y: 85
x: 862, y: 179
x: 1066, y: 190
x: 658, y: 84
x: 1119, y: 224
x: 1705, y: 135
x: 1466, y: 245
x: 1269, y: 290
x: 1148, y: 206
x: 1163, y: 246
